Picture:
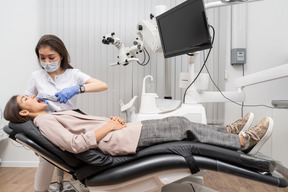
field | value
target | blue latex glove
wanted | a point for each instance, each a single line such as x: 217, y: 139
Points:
x: 45, y: 101
x: 67, y: 93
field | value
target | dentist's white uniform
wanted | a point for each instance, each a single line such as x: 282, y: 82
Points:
x: 41, y: 84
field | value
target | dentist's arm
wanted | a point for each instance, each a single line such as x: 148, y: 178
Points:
x: 94, y: 85
x: 91, y: 85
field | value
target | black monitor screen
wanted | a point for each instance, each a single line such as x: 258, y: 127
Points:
x: 184, y: 29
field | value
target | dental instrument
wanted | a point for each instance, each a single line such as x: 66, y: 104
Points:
x: 49, y: 98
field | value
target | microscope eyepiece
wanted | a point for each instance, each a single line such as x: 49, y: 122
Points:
x: 104, y: 41
x: 107, y: 40
x: 110, y: 40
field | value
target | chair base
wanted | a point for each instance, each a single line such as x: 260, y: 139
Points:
x: 154, y: 182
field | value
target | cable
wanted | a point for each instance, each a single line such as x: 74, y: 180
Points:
x: 145, y: 50
x: 204, y: 65
x: 242, y: 105
x: 192, y: 187
x: 201, y: 67
x: 144, y: 60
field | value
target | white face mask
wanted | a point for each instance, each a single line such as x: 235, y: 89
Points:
x: 50, y: 67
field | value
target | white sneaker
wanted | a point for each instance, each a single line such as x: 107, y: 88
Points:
x: 241, y: 124
x: 256, y: 136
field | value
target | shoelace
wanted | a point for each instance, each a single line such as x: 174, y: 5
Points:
x: 234, y: 126
x: 253, y: 132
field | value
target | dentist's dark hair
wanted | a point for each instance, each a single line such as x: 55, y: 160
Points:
x: 11, y: 111
x: 57, y: 45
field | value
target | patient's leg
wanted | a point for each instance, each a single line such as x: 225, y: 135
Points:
x: 211, y: 136
x: 255, y: 136
x: 177, y: 128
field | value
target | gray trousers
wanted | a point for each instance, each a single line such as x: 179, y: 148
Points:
x: 179, y: 128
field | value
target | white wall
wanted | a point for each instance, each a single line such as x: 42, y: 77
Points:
x: 18, y: 36
x: 267, y: 47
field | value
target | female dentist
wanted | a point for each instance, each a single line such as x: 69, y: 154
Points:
x: 58, y: 81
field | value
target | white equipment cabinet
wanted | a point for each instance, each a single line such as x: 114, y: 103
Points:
x: 193, y: 112
x: 279, y: 136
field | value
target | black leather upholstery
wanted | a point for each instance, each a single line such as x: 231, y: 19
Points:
x: 95, y: 168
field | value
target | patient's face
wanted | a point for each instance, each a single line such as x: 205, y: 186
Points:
x: 31, y: 103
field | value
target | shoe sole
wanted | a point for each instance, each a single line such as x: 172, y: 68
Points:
x: 267, y: 135
x: 249, y: 123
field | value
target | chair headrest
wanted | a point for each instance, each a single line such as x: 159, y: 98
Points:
x: 21, y: 127
x: 33, y: 133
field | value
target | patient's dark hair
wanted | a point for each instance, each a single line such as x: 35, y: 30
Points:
x: 57, y: 45
x: 11, y: 111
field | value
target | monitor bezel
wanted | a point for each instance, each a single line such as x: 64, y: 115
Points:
x: 185, y: 50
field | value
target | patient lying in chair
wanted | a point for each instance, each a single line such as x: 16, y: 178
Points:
x: 74, y: 131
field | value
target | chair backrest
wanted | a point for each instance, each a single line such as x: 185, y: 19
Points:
x: 29, y: 130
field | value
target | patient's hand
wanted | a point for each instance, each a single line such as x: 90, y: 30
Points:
x: 113, y: 125
x: 116, y: 125
x: 116, y: 118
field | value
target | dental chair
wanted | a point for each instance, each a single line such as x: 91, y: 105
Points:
x: 149, y: 169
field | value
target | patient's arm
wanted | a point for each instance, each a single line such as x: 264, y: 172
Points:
x: 60, y: 135
x: 113, y: 125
